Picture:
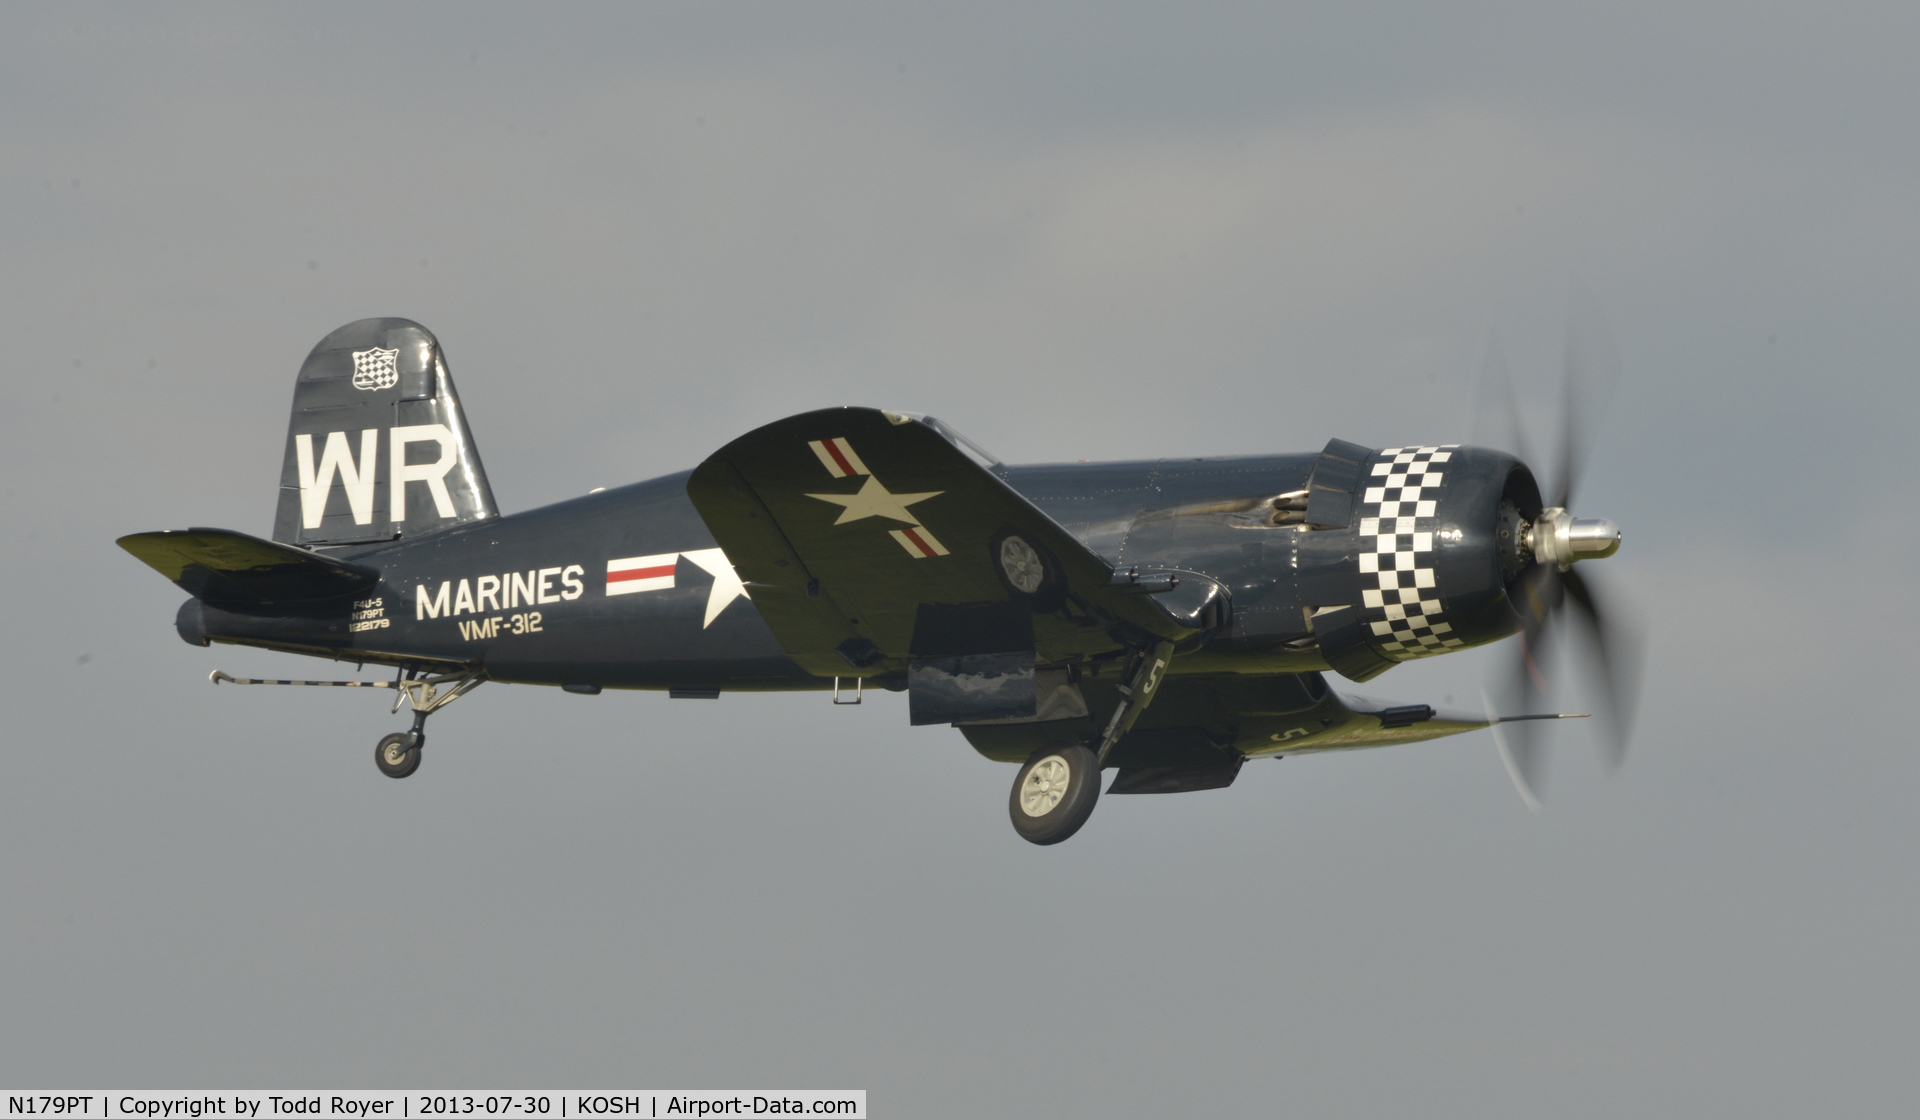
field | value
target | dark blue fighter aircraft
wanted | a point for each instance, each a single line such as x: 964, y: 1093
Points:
x: 1168, y: 619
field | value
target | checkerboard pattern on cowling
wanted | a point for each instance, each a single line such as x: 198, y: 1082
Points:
x: 1397, y: 510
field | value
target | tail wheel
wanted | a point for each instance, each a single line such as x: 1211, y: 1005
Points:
x: 1054, y: 794
x: 398, y: 755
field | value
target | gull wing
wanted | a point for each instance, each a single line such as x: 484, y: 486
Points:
x: 869, y: 538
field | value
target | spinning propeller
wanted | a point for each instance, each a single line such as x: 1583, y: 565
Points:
x: 1548, y: 589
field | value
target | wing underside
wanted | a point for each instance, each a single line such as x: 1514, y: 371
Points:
x: 869, y: 540
x: 1200, y: 729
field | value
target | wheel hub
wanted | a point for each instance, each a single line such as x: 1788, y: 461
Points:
x: 1045, y: 785
x: 1022, y: 565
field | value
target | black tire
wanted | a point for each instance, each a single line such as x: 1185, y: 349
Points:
x: 1064, y: 801
x: 397, y: 755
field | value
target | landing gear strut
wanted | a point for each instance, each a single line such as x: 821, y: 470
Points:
x: 1055, y: 792
x: 398, y: 755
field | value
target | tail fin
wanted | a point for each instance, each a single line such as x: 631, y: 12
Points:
x: 378, y: 446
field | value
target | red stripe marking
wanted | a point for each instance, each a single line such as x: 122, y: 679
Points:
x: 925, y: 548
x: 639, y: 573
x: 837, y: 457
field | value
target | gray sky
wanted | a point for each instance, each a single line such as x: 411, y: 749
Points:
x: 1073, y: 232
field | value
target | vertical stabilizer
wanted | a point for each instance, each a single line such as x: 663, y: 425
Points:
x: 378, y: 447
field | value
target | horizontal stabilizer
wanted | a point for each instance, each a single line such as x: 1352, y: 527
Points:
x: 241, y: 573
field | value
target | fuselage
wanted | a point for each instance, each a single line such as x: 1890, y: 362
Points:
x: 625, y: 588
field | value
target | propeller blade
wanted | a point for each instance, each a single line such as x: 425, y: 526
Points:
x: 1523, y: 746
x: 1538, y: 597
x: 1616, y: 651
x: 1592, y: 369
x: 1525, y: 762
x: 1523, y: 752
x: 1542, y: 592
x: 1496, y: 415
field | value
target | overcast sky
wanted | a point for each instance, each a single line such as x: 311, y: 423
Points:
x: 1072, y: 231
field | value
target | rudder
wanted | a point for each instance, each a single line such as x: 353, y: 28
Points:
x: 377, y: 446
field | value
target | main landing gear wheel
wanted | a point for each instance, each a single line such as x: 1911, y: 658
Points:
x: 1020, y: 562
x: 1054, y: 794
x: 1027, y: 570
x: 398, y: 754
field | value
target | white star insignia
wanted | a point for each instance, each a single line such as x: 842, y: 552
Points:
x: 874, y: 500
x: 726, y: 582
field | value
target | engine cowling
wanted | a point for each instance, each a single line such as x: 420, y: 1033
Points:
x: 1429, y: 557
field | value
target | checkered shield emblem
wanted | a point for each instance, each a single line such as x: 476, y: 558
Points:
x: 375, y: 369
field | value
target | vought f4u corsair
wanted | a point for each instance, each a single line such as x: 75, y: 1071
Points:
x: 1167, y: 619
